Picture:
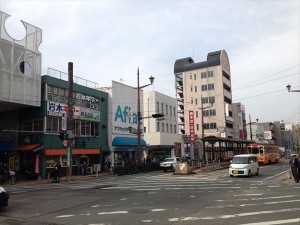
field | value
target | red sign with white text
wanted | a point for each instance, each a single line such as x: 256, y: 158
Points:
x: 192, y: 126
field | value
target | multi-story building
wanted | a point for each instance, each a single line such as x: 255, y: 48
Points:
x: 204, y: 97
x: 161, y: 133
x: 122, y: 124
x: 33, y: 108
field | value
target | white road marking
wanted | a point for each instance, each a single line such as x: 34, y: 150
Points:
x: 266, y: 198
x: 247, y: 194
x: 64, y: 216
x: 158, y: 210
x: 289, y: 221
x: 148, y: 189
x: 243, y: 205
x: 233, y: 215
x: 111, y: 213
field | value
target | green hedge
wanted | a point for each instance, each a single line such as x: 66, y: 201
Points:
x: 138, y: 168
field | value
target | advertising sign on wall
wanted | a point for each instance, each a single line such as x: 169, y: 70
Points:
x: 61, y: 110
x: 192, y: 126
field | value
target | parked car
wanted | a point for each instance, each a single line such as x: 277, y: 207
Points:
x: 244, y: 165
x: 3, y: 197
x: 170, y: 163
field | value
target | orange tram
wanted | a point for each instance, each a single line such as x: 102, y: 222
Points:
x: 266, y: 153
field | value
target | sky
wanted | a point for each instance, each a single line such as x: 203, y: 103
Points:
x: 109, y: 39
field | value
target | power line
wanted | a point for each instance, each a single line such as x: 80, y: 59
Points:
x: 266, y: 82
x: 244, y: 86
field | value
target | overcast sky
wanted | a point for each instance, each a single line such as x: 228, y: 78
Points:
x: 108, y: 40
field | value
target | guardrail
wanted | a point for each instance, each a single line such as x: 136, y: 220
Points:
x: 208, y: 165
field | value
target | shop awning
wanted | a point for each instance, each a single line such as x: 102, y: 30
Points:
x: 76, y: 151
x: 127, y: 141
x: 29, y: 147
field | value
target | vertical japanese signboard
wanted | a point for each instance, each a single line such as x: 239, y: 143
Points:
x: 192, y: 126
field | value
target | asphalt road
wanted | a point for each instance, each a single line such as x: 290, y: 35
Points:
x: 210, y: 198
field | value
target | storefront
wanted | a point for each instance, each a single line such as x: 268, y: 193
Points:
x: 25, y: 161
x: 125, y: 150
x: 79, y: 156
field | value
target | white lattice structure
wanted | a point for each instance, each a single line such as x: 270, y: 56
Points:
x: 20, y: 67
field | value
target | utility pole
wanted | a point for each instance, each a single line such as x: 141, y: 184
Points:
x: 70, y: 123
x: 202, y: 121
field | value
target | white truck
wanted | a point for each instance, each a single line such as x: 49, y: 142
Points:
x: 170, y: 164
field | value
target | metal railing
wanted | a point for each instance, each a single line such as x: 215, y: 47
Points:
x: 77, y: 80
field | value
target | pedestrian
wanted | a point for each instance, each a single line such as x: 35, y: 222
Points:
x: 107, y: 166
x: 85, y: 166
x: 297, y: 164
x: 293, y: 167
x: 56, y: 173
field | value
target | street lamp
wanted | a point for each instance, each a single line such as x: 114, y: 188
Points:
x: 202, y: 121
x: 250, y: 123
x: 139, y: 150
x: 289, y: 89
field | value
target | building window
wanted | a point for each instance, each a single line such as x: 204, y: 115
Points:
x: 210, y: 112
x: 196, y: 101
x: 170, y: 110
x: 157, y: 127
x: 226, y: 87
x: 192, y: 101
x: 191, y: 88
x: 52, y: 124
x: 195, y: 76
x: 226, y: 75
x: 208, y: 126
x: 167, y: 107
x: 204, y: 87
x: 196, y: 114
x: 38, y: 125
x: 210, y: 74
x: 191, y: 76
x: 167, y: 127
x: 196, y: 88
x: 175, y: 129
x: 210, y: 86
x: 157, y: 107
x: 203, y: 75
x: 197, y: 126
x: 227, y: 100
x: 162, y: 107
x: 174, y: 111
x: 162, y: 127
x: 171, y: 129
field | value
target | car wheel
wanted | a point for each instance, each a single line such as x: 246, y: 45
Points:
x: 249, y: 173
x: 231, y: 175
x: 257, y: 172
x: 165, y: 170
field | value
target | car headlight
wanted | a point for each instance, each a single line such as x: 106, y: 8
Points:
x: 2, y: 189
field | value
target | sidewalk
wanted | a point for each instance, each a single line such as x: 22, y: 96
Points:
x: 62, y: 179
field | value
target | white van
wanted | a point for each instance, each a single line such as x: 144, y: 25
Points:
x: 244, y: 165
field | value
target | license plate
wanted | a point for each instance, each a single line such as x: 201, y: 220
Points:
x: 235, y: 171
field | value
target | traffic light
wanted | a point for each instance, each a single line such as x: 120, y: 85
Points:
x: 158, y: 115
x: 63, y: 135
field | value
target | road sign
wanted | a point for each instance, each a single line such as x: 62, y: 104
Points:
x: 64, y: 123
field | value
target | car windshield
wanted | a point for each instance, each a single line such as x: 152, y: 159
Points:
x: 169, y: 160
x: 240, y: 160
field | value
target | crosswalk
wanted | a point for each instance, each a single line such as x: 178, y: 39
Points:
x: 243, y: 201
